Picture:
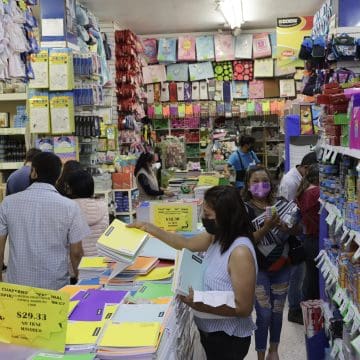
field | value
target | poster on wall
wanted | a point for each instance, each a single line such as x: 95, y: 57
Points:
x: 290, y: 33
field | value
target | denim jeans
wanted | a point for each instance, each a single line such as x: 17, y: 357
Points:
x: 295, y: 295
x: 270, y: 294
x: 221, y: 346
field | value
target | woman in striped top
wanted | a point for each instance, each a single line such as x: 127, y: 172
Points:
x: 231, y: 266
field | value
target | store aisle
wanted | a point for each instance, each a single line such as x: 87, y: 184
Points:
x: 292, y: 346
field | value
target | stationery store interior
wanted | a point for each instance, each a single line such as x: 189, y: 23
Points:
x: 180, y: 180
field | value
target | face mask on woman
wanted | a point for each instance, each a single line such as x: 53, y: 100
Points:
x: 260, y: 189
x: 209, y: 225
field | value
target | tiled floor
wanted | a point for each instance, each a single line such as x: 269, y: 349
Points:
x: 292, y: 343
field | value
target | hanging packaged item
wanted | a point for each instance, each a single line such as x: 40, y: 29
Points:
x: 243, y: 70
x: 201, y: 71
x: 186, y: 48
x: 165, y: 95
x: 154, y: 74
x: 306, y: 48
x: 204, y: 95
x: 287, y: 88
x: 227, y: 91
x: 344, y: 47
x: 150, y: 50
x: 61, y: 70
x: 177, y: 72
x: 263, y: 68
x: 62, y: 112
x: 173, y: 92
x: 187, y: 91
x: 244, y: 46
x: 66, y: 148
x: 40, y: 66
x: 240, y: 89
x: 157, y: 92
x: 223, y: 70
x: 195, y: 90
x: 167, y: 50
x: 261, y: 46
x: 39, y: 112
x: 180, y: 91
x: 205, y: 48
x: 256, y: 89
x: 150, y: 93
x: 224, y: 47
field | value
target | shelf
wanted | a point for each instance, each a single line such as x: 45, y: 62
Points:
x: 13, y: 97
x: 355, y: 153
x: 125, y: 213
x: 275, y: 141
x: 165, y: 129
x: 184, y: 128
x: 12, y: 131
x: 11, y: 165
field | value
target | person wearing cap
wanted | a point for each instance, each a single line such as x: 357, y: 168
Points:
x: 288, y: 189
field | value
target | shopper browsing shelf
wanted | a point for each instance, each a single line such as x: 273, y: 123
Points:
x: 43, y: 227
x: 80, y: 187
x: 288, y: 188
x: 242, y: 159
x: 69, y: 167
x: 19, y: 180
x: 308, y: 201
x: 146, y: 179
x: 231, y: 266
x: 272, y: 251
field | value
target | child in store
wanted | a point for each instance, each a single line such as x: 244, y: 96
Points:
x: 272, y: 256
x: 79, y: 186
x: 232, y: 266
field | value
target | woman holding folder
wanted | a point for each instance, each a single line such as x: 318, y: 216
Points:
x: 231, y: 267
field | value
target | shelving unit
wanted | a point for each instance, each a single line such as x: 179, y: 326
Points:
x: 128, y: 202
x: 13, y: 97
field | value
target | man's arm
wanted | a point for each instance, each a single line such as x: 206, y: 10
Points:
x: 76, y: 253
x: 2, y: 252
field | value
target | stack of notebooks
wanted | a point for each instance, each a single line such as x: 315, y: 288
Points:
x: 152, y: 293
x: 92, y: 267
x: 120, y: 243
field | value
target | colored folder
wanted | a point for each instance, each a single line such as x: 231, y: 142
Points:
x: 140, y: 313
x: 83, y: 332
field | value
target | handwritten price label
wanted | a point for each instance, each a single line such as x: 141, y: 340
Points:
x: 174, y: 218
x: 33, y: 317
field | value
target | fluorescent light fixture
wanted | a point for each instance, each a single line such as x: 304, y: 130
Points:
x: 232, y: 12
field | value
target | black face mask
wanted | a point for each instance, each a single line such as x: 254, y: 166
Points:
x: 210, y: 226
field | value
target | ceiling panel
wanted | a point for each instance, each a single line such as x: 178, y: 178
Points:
x: 172, y: 16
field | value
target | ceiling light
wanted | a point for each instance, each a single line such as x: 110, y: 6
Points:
x: 232, y: 12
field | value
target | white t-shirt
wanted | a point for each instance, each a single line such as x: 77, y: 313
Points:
x: 289, y: 184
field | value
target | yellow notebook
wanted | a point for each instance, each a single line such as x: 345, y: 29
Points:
x: 160, y: 273
x: 131, y: 335
x: 92, y: 262
x: 122, y: 239
x: 109, y: 311
x: 83, y: 332
x: 72, y: 306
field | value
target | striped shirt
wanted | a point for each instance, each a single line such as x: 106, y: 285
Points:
x: 217, y: 278
x: 41, y: 225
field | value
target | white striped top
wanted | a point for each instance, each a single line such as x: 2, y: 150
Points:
x: 217, y: 278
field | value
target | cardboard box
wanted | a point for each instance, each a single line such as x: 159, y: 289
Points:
x: 123, y: 180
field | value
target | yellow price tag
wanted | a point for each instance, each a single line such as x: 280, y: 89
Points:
x: 206, y: 180
x: 33, y: 317
x: 173, y: 218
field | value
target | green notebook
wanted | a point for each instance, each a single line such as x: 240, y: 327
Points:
x: 152, y: 290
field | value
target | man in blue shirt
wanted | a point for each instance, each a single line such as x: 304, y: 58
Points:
x: 242, y: 159
x: 19, y: 180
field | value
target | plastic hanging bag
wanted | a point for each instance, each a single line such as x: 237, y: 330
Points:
x: 344, y: 47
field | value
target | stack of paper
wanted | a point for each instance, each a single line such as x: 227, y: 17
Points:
x: 189, y: 272
x: 81, y: 336
x: 92, y: 304
x: 136, y: 340
x: 74, y: 289
x: 92, y: 267
x: 47, y: 356
x: 121, y: 243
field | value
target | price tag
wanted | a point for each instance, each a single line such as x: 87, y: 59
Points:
x: 356, y: 344
x: 344, y: 307
x: 339, y: 224
x: 338, y: 296
x: 352, y: 236
x: 321, y: 255
x: 357, y: 254
x: 206, y: 180
x: 356, y: 324
x: 350, y: 314
x: 330, y: 218
x: 33, y: 317
x: 333, y: 157
x: 344, y: 235
x: 326, y: 271
x: 178, y: 217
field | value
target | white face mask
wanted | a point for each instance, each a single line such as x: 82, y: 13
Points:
x: 156, y: 166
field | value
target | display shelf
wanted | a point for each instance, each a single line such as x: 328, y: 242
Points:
x: 336, y: 214
x: 13, y: 97
x: 12, y: 131
x: 122, y: 213
x: 355, y: 153
x: 124, y: 190
x: 11, y: 165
